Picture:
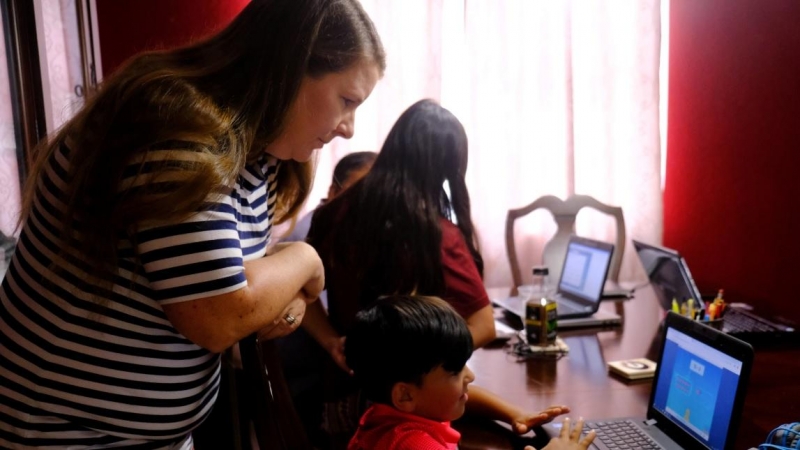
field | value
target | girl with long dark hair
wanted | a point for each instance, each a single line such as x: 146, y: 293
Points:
x: 399, y: 231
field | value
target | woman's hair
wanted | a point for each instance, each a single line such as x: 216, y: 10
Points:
x: 402, y: 338
x: 386, y: 228
x: 172, y: 128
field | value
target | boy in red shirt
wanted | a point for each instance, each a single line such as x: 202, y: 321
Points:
x: 409, y: 354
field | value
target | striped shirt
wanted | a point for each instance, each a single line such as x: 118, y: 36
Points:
x: 73, y: 375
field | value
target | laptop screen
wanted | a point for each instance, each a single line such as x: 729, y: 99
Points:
x: 585, y: 269
x: 697, y: 387
x: 668, y: 274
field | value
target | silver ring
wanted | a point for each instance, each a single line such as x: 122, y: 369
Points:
x: 290, y: 319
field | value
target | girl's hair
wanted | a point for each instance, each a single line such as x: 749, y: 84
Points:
x: 172, y: 128
x: 386, y: 228
x: 401, y: 338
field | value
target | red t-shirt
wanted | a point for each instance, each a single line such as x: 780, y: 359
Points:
x: 385, y: 428
x: 464, y: 289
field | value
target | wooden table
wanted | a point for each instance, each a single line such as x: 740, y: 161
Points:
x: 581, y: 380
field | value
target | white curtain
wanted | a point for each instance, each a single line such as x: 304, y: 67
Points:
x: 60, y: 63
x: 9, y: 172
x: 558, y: 97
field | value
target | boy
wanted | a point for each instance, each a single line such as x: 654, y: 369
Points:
x: 409, y: 354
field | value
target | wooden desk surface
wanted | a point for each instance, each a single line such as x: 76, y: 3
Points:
x: 581, y: 380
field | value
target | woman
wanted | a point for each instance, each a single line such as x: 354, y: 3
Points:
x: 146, y: 219
x: 397, y: 231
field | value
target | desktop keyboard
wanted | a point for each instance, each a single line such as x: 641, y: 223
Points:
x: 623, y: 434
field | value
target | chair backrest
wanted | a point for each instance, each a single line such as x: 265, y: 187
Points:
x: 564, y: 213
x: 276, y: 422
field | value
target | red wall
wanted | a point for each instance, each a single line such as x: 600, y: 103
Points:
x: 732, y: 193
x: 127, y: 27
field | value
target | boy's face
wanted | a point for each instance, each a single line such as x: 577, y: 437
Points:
x: 442, y: 395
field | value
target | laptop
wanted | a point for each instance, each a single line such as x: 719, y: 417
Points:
x: 670, y: 277
x: 580, y: 287
x: 583, y: 276
x: 697, y: 395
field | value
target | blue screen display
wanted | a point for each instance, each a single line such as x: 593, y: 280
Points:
x: 696, y: 388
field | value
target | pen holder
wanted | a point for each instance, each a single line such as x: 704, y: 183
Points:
x: 716, y: 323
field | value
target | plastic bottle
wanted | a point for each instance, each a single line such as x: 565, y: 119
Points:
x: 540, y: 310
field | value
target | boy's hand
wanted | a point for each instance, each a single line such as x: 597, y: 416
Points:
x: 569, y: 439
x: 522, y: 423
x: 336, y: 349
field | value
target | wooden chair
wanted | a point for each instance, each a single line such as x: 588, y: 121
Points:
x: 276, y: 422
x: 564, y: 213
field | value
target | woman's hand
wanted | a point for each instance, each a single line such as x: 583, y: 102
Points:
x: 522, y: 423
x: 217, y: 322
x: 569, y: 439
x: 291, y: 317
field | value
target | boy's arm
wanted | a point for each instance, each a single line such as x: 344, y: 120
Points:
x: 484, y: 403
x: 316, y: 323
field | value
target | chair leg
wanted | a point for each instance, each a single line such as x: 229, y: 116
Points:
x: 620, y: 307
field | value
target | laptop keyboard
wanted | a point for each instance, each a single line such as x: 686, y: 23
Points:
x: 622, y: 434
x: 564, y: 307
x: 736, y: 321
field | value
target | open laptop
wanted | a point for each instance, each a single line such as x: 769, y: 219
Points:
x: 697, y: 395
x: 580, y: 287
x: 670, y: 277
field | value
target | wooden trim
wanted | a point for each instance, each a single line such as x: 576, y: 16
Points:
x: 86, y: 37
x: 25, y: 79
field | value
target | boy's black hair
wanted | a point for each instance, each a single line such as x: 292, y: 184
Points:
x: 400, y: 338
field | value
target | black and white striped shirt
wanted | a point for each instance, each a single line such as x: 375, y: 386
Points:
x: 73, y: 375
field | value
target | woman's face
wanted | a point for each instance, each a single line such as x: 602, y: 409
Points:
x: 324, y: 108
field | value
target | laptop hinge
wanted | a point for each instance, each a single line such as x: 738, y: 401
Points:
x: 650, y: 422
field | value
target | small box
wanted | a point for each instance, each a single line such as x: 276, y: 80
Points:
x: 633, y: 369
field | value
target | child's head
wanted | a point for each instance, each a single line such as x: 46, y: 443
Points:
x: 410, y: 352
x: 351, y: 168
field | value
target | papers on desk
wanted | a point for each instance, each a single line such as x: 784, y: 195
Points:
x: 559, y: 347
x: 503, y: 331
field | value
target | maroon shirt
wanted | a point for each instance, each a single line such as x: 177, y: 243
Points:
x: 464, y: 289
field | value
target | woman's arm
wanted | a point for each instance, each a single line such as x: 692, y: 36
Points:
x: 481, y: 326
x: 486, y: 404
x: 219, y: 321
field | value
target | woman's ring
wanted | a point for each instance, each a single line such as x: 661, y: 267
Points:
x: 290, y: 319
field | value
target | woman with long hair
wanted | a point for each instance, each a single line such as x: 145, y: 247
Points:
x: 146, y: 220
x: 399, y: 231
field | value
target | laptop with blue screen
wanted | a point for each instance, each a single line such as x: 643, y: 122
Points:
x: 697, y: 395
